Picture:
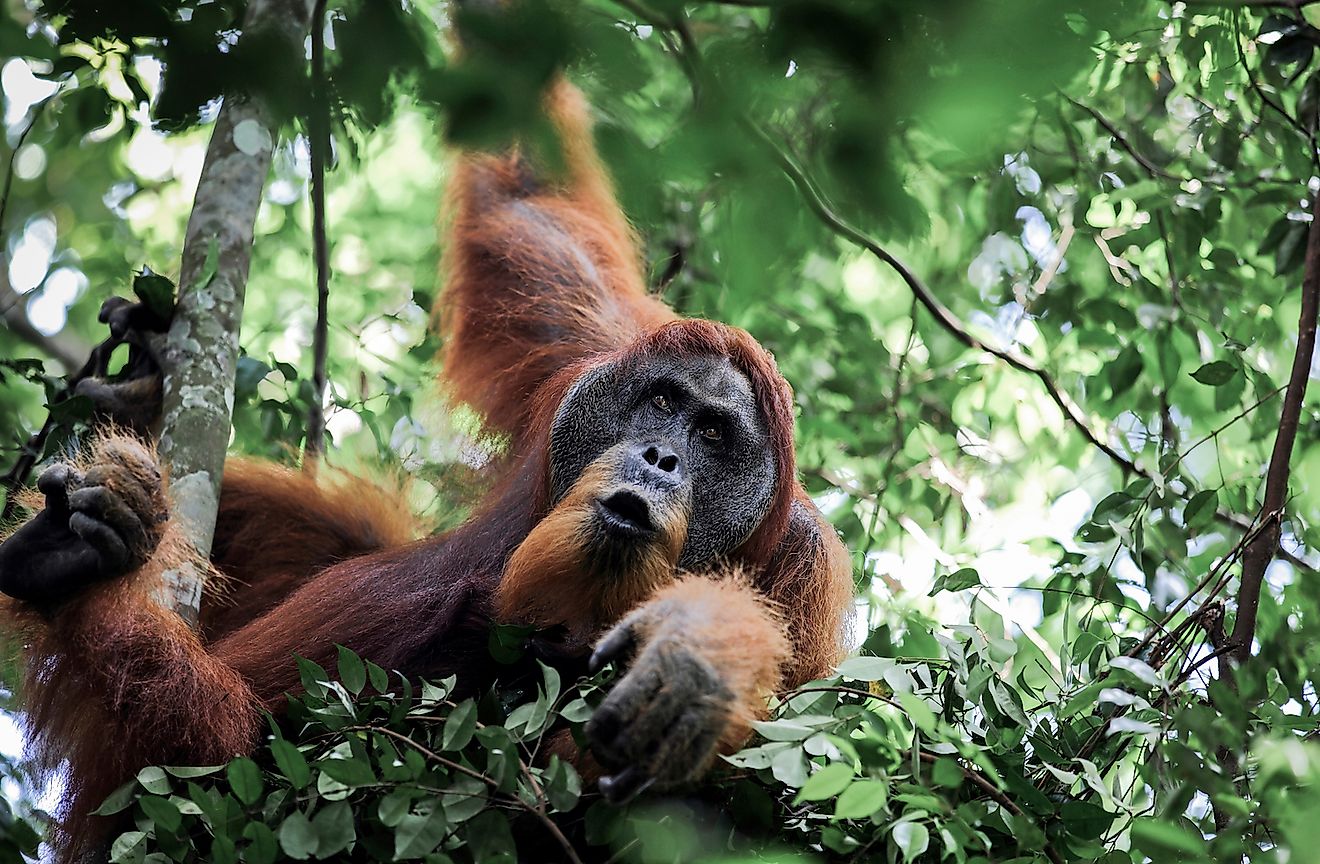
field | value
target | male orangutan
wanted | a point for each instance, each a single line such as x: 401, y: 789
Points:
x: 648, y: 506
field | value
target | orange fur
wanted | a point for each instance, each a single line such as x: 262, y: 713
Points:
x: 540, y: 274
x: 728, y: 622
x: 113, y: 682
x: 277, y: 527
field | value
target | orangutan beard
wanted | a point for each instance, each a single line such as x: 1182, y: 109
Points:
x: 570, y: 572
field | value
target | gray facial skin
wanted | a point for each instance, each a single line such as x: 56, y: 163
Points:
x: 691, y: 427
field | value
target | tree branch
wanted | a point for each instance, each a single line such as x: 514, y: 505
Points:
x: 1260, y: 552
x: 67, y: 349
x: 199, y: 355
x: 318, y: 129
x: 1121, y: 140
x: 941, y: 313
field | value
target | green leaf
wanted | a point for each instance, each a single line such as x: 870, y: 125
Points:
x: 352, y: 672
x: 1159, y: 838
x: 156, y: 293
x: 1085, y: 819
x: 334, y: 829
x: 263, y: 847
x: 865, y: 668
x: 162, y: 811
x: 117, y: 800
x: 945, y: 772
x: 1215, y: 374
x: 783, y: 730
x: 861, y: 799
x: 248, y: 375
x: 1123, y: 371
x: 128, y: 847
x: 563, y: 786
x: 291, y: 762
x: 298, y: 838
x: 825, y: 783
x: 393, y: 807
x: 153, y: 779
x: 1113, y: 504
x: 380, y: 679
x: 912, y: 838
x: 918, y: 711
x: 489, y: 837
x: 1200, y: 508
x: 351, y: 772
x: 789, y: 767
x: 419, y: 833
x: 459, y: 726
x: 189, y: 772
x: 576, y: 711
x: 245, y: 780
x: 312, y: 677
x: 959, y: 580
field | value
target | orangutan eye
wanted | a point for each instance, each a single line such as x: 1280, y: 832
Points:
x: 711, y: 432
x: 660, y: 401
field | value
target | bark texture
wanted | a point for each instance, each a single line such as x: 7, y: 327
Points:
x: 199, y: 355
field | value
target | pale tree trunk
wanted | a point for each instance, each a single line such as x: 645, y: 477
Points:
x: 199, y: 354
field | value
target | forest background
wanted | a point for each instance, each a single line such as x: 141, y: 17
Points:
x: 1035, y: 270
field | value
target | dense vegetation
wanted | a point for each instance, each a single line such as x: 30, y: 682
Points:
x: 1035, y: 270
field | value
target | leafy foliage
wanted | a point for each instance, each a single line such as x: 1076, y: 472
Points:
x: 395, y: 774
x: 1114, y: 194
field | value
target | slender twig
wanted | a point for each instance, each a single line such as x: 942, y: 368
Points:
x: 977, y: 778
x: 1258, y: 554
x: 1264, y: 97
x: 538, y: 812
x: 1121, y: 140
x: 318, y: 130
x: 838, y: 688
x: 13, y: 155
x: 1261, y: 551
x: 898, y: 436
x: 941, y: 313
x: 65, y: 347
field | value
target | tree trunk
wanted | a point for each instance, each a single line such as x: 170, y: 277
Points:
x: 199, y: 355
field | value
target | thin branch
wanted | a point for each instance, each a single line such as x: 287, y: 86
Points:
x: 1258, y: 554
x: 17, y: 476
x: 67, y: 349
x: 941, y: 313
x: 994, y: 792
x: 13, y: 155
x: 1261, y: 551
x: 538, y: 812
x: 318, y: 128
x: 1121, y: 140
x: 1264, y: 97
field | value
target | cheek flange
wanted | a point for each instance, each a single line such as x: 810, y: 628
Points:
x: 589, y: 422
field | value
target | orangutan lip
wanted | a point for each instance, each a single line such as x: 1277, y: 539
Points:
x: 625, y: 513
